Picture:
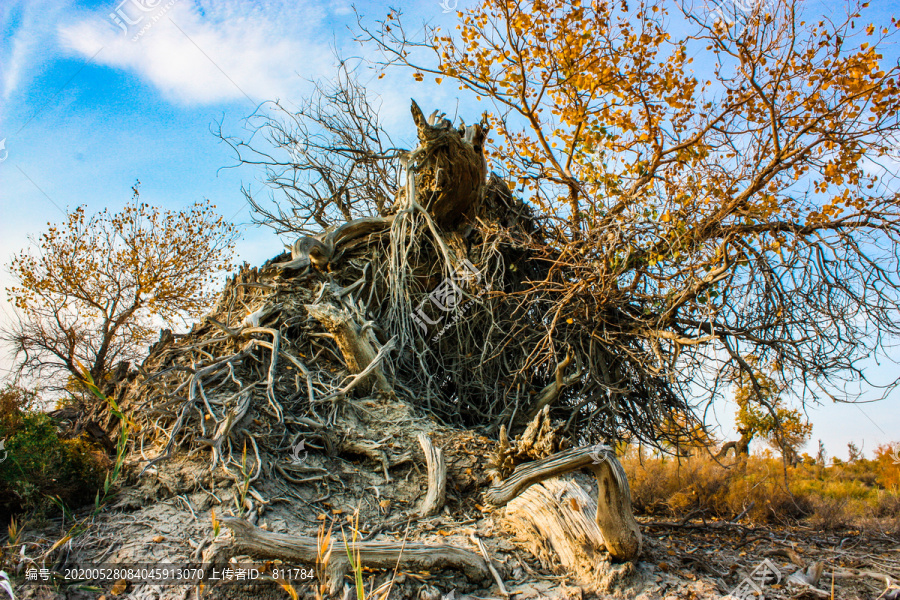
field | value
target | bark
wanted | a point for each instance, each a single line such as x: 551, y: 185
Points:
x: 740, y: 447
x: 451, y: 172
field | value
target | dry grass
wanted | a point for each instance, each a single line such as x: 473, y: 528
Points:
x: 762, y: 489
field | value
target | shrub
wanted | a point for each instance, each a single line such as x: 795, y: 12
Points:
x: 831, y: 513
x: 38, y: 464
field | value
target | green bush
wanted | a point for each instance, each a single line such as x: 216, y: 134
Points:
x: 38, y: 465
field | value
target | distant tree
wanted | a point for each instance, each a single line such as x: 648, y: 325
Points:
x: 821, y: 455
x: 762, y: 413
x: 887, y: 465
x: 854, y: 453
x: 685, y: 435
x: 95, y: 289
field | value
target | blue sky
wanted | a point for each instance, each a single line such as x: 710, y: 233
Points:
x: 97, y: 94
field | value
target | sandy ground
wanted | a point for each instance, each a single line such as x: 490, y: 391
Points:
x: 697, y: 561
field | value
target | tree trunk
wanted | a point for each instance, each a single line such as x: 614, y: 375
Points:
x: 741, y: 447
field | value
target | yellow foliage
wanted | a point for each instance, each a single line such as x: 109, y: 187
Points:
x: 95, y: 288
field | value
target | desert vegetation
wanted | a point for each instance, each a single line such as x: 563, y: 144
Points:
x: 482, y: 364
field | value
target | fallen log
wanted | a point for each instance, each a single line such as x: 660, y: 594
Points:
x: 557, y: 518
x: 247, y: 539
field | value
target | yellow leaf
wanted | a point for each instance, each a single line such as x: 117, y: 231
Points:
x: 59, y: 543
x: 118, y: 587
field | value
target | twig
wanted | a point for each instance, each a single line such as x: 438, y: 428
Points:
x: 490, y: 564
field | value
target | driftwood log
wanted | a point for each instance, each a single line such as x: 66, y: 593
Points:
x: 247, y: 539
x: 614, y: 517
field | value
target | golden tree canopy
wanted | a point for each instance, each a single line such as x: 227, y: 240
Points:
x: 711, y: 188
x: 96, y: 288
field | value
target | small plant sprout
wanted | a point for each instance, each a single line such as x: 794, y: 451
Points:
x: 216, y: 524
x: 245, y: 485
x: 288, y: 588
x: 15, y: 532
x: 323, y: 556
x: 353, y: 555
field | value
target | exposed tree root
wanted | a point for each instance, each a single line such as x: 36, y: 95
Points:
x: 331, y: 366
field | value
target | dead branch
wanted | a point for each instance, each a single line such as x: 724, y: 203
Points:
x: 355, y: 344
x: 437, y: 478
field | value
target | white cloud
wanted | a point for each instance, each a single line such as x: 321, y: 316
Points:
x: 24, y: 25
x: 210, y: 51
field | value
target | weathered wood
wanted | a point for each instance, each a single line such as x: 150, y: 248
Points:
x: 355, y: 343
x: 247, y: 539
x: 539, y: 440
x: 437, y: 478
x: 321, y: 250
x: 558, y: 517
x: 354, y: 229
x: 451, y: 169
x: 490, y: 565
x: 614, y: 516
